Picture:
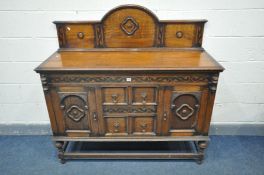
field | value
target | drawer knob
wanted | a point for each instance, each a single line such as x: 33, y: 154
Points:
x: 165, y: 116
x: 94, y: 116
x: 114, y: 98
x: 80, y: 35
x: 116, y: 126
x: 144, y: 97
x: 179, y: 34
x: 143, y: 127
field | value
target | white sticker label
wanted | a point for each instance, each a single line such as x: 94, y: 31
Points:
x: 128, y: 79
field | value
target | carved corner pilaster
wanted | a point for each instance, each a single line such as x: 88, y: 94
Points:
x: 61, y: 35
x: 44, y: 82
x: 213, y: 80
x: 99, y: 36
x: 160, y: 35
x: 199, y: 35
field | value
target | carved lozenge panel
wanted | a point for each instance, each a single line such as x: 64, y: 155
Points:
x: 75, y: 110
x: 184, y: 109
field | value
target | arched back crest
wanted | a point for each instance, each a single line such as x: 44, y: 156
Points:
x: 130, y: 26
x: 127, y: 26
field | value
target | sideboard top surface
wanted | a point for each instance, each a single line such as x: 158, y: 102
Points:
x: 125, y: 60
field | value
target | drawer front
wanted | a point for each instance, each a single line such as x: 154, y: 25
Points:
x: 116, y: 125
x: 144, y: 125
x: 129, y: 110
x: 79, y: 36
x: 114, y: 95
x: 144, y: 95
x: 180, y: 35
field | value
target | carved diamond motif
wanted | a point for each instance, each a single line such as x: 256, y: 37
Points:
x: 129, y: 25
x: 75, y: 113
x: 184, y: 111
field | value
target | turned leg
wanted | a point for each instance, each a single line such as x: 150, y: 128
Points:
x: 59, y: 145
x: 202, y: 145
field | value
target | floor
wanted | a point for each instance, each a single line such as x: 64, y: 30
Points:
x: 234, y: 155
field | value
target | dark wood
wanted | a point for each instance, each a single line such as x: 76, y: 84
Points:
x: 130, y: 26
x: 130, y: 78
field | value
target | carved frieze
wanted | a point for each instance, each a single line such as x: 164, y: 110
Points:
x: 129, y: 109
x: 123, y: 79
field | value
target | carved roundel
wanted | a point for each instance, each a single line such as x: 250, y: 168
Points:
x: 129, y: 25
x: 184, y: 111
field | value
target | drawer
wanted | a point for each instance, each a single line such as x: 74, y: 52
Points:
x: 114, y: 95
x: 143, y: 125
x: 179, y: 35
x: 144, y: 95
x: 79, y: 35
x: 116, y: 125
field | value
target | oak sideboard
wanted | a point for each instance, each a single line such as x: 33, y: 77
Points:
x: 130, y: 86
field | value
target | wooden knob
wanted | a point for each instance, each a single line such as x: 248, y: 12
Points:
x: 80, y: 35
x: 179, y: 34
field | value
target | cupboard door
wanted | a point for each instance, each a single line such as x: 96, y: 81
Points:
x: 184, y: 110
x: 181, y: 112
x: 73, y: 107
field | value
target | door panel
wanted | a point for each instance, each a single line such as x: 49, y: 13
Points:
x: 73, y: 107
x: 184, y: 108
x: 182, y: 115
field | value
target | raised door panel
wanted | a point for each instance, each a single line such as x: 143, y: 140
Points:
x: 73, y: 109
x: 183, y: 110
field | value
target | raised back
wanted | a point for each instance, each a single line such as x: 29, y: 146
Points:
x: 130, y: 26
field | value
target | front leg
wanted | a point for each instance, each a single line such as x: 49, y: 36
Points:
x: 59, y: 145
x: 202, y: 145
